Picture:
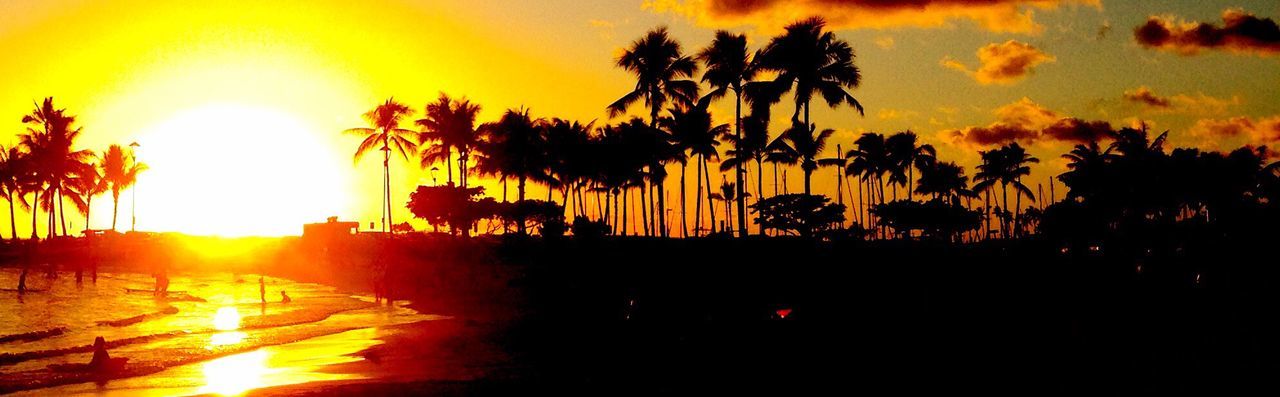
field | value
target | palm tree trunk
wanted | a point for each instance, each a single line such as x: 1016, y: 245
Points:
x: 115, y: 208
x: 662, y: 204
x: 775, y: 179
x: 625, y: 210
x: 738, y: 169
x: 808, y: 174
x: 520, y: 196
x: 760, y: 186
x: 386, y: 172
x: 711, y: 209
x: 644, y: 208
x: 35, y: 213
x: 13, y: 220
x: 448, y: 163
x: 684, y: 218
x: 62, y: 212
x: 1004, y: 222
x: 697, y: 202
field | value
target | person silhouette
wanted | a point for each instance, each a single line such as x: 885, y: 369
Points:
x: 284, y: 297
x: 102, y: 361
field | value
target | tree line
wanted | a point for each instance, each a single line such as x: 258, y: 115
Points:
x: 44, y: 171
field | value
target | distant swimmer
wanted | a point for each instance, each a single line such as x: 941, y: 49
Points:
x: 284, y: 297
x: 262, y: 289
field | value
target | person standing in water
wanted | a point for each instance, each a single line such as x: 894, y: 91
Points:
x: 262, y: 289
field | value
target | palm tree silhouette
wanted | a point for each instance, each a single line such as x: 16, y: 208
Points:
x: 808, y: 144
x: 662, y: 72
x: 12, y: 167
x: 514, y: 147
x: 750, y: 145
x: 451, y: 124
x: 85, y: 185
x: 943, y: 180
x: 119, y: 172
x: 386, y: 135
x: 729, y: 67
x: 1086, y: 165
x: 869, y: 160
x: 811, y: 61
x: 567, y: 144
x: 49, y: 139
x: 1006, y: 166
x: 692, y: 130
x: 905, y: 155
x: 839, y: 163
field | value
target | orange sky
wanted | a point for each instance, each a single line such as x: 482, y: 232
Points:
x: 239, y: 105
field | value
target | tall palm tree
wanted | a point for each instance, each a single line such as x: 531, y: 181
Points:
x: 514, y: 146
x: 450, y: 124
x: 1006, y: 166
x: 692, y: 130
x: 662, y: 76
x: 87, y: 184
x: 386, y: 135
x: 50, y: 138
x: 943, y: 180
x: 729, y: 68
x: 1086, y: 167
x: 119, y: 172
x: 808, y: 144
x: 869, y: 160
x: 905, y: 155
x: 750, y: 145
x: 809, y: 61
x: 839, y: 163
x: 12, y: 166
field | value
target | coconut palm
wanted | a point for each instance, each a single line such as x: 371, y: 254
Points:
x: 85, y: 185
x: 12, y: 166
x: 1087, y: 167
x: 513, y: 147
x: 943, y: 180
x: 869, y: 160
x: 692, y: 130
x: 386, y: 135
x: 662, y: 72
x: 905, y: 155
x: 729, y: 68
x: 811, y: 61
x: 119, y: 172
x: 808, y: 144
x: 1006, y: 166
x: 451, y: 125
x: 748, y: 146
x: 50, y: 138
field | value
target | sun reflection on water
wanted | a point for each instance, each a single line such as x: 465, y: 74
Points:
x: 234, y: 375
x: 226, y: 319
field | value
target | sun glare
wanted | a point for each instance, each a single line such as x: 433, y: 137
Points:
x: 234, y: 170
x: 226, y: 319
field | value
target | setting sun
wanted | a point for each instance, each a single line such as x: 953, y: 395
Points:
x: 234, y: 170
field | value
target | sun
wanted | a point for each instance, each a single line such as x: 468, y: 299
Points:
x: 235, y: 170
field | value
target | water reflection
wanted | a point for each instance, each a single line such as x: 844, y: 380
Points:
x: 226, y: 319
x: 234, y: 375
x: 226, y: 338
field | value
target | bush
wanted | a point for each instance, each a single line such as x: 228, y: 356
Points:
x: 586, y: 229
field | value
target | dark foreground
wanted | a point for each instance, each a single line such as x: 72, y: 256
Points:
x: 644, y: 317
x: 650, y: 317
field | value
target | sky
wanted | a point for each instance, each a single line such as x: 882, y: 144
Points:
x: 239, y: 106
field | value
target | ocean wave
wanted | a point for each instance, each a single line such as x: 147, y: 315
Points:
x: 139, y: 318
x: 33, y: 335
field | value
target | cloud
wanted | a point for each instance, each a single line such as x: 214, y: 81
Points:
x: 1259, y: 131
x: 893, y: 114
x: 769, y: 16
x: 1028, y: 122
x: 1242, y: 32
x: 884, y: 42
x: 1003, y: 63
x: 604, y: 28
x: 1180, y: 103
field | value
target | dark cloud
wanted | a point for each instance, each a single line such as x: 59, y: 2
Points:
x: 1027, y: 122
x: 1259, y: 131
x: 1145, y: 96
x: 1014, y: 16
x: 1241, y: 32
x: 1077, y: 131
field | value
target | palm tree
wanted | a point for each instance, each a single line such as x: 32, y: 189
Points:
x: 729, y: 67
x: 49, y: 139
x: 869, y: 160
x: 514, y: 147
x: 1086, y: 166
x: 1006, y: 166
x: 12, y: 166
x: 811, y: 61
x: 692, y: 130
x: 905, y: 155
x: 750, y: 145
x: 119, y: 172
x: 87, y: 184
x: 943, y: 180
x: 386, y: 133
x: 662, y: 72
x: 808, y: 144
x: 839, y: 163
x: 727, y: 193
x: 451, y: 124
